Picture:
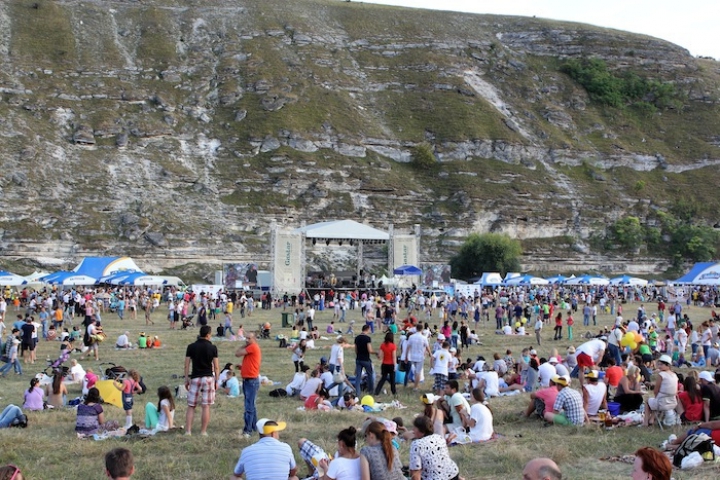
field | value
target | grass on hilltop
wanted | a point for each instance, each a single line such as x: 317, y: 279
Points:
x: 48, y: 448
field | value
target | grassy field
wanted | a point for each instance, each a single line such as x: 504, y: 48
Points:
x: 48, y: 448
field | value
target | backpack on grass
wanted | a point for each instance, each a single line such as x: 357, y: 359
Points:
x: 698, y: 442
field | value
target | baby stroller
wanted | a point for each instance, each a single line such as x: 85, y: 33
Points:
x: 263, y: 330
x: 54, y: 366
x: 115, y: 372
x: 188, y: 322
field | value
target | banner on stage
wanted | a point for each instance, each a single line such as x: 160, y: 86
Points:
x: 405, y: 250
x: 287, y: 262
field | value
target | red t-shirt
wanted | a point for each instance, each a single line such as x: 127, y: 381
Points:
x: 388, y: 350
x: 251, y: 363
x: 613, y: 375
x: 693, y: 411
x: 311, y: 402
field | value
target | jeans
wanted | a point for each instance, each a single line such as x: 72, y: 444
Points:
x: 454, y: 340
x: 6, y: 368
x: 498, y: 323
x: 251, y: 386
x: 359, y: 366
x: 228, y: 329
x: 615, y: 353
x: 10, y: 413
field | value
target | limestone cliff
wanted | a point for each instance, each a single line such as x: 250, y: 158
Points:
x: 179, y: 130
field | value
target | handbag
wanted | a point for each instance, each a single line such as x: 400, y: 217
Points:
x: 338, y: 377
x: 403, y: 366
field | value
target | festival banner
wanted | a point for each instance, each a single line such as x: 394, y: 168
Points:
x: 287, y: 262
x: 405, y: 250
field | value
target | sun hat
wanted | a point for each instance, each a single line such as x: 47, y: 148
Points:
x: 553, y: 360
x: 429, y: 398
x: 592, y: 374
x: 665, y: 359
x: 265, y: 429
x: 571, y: 349
x: 559, y: 380
x: 707, y: 376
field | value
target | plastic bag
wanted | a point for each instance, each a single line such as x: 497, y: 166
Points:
x: 692, y: 461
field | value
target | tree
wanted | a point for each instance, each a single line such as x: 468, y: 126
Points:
x: 423, y: 157
x: 628, y: 232
x: 489, y: 252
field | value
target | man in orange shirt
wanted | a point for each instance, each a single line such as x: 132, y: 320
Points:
x: 250, y: 372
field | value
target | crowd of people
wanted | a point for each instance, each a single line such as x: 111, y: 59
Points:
x: 618, y: 365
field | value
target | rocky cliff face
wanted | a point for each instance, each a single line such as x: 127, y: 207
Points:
x: 179, y: 130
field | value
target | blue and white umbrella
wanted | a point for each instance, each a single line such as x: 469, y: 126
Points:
x: 407, y: 270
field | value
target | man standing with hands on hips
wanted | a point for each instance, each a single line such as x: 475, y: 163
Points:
x: 250, y: 372
x: 202, y: 382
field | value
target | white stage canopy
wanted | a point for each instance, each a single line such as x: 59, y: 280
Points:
x: 343, y: 230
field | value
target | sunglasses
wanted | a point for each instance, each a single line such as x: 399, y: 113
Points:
x: 15, y: 473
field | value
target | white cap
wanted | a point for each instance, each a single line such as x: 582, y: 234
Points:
x: 707, y: 376
x: 441, y: 337
x: 665, y: 359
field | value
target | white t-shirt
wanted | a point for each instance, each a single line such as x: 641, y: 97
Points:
x: 327, y: 379
x: 593, y: 348
x: 336, y: 355
x: 671, y: 321
x: 77, y: 372
x: 344, y: 469
x: 455, y: 400
x: 507, y: 330
x: 545, y: 372
x: 492, y: 383
x: 122, y: 341
x: 442, y: 359
x: 483, y: 428
x: 163, y: 424
x: 310, y: 387
x: 596, y: 393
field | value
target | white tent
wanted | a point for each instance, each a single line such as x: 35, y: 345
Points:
x: 343, y: 230
x: 11, y: 280
x: 491, y: 278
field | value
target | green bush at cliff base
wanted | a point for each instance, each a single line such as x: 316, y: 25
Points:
x: 489, y: 252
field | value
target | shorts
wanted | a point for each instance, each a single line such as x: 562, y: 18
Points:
x: 203, y: 389
x: 561, y: 419
x: 127, y: 401
x: 308, y: 450
x: 584, y: 360
x: 27, y: 346
x: 440, y: 381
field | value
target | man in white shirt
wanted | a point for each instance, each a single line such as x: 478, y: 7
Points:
x: 123, y: 341
x: 439, y: 362
x: 594, y: 394
x: 481, y: 419
x: 614, y: 340
x: 538, y: 330
x: 459, y: 407
x: 417, y: 348
x: 546, y: 372
x: 671, y: 324
x: 588, y: 355
x: 488, y: 381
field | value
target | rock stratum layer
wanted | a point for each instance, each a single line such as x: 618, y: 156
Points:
x: 179, y: 131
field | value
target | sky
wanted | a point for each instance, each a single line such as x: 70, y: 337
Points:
x: 692, y: 24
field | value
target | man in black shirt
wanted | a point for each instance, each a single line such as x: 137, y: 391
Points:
x: 202, y: 382
x: 711, y: 396
x: 28, y: 344
x: 363, y: 350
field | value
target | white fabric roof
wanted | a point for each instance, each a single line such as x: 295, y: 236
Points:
x: 343, y: 230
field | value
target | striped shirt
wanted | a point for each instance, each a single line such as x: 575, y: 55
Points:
x: 268, y: 459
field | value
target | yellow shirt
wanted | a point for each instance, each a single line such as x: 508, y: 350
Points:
x: 229, y: 307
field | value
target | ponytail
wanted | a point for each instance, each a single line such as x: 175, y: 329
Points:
x: 388, y: 449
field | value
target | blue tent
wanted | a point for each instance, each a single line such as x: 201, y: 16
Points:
x: 407, y: 270
x: 491, y: 279
x: 701, y: 273
x: 556, y: 279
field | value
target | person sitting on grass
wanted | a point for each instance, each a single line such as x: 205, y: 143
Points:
x: 232, y: 385
x: 568, y: 406
x: 318, y: 401
x: 90, y: 415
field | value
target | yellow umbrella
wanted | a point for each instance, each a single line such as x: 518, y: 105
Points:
x: 109, y: 392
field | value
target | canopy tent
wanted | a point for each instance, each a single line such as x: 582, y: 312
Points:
x: 407, y: 270
x: 628, y: 280
x: 141, y: 279
x: 72, y: 279
x: 527, y: 279
x: 510, y: 275
x: 706, y: 273
x: 343, y: 230
x: 558, y: 279
x: 387, y: 281
x: 587, y: 280
x: 8, y: 279
x: 490, y: 279
x: 98, y: 267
